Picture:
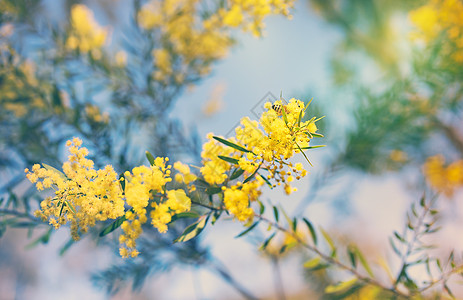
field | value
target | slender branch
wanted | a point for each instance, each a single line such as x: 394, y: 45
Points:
x: 19, y: 214
x: 280, y: 291
x: 332, y: 260
x: 443, y: 277
x: 411, y: 243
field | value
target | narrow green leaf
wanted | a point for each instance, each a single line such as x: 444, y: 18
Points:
x: 150, y: 158
x: 302, y: 151
x: 285, y: 117
x: 193, y: 230
x: 50, y: 168
x: 251, y: 176
x: 229, y: 159
x: 447, y: 289
x: 342, y: 286
x: 422, y: 201
x: 399, y: 237
x: 23, y: 224
x: 308, y: 103
x: 266, y: 180
x: 230, y: 144
x: 352, y: 256
x: 261, y: 206
x: 394, y: 247
x: 439, y: 264
x: 69, y: 205
x: 312, y: 263
x: 114, y: 225
x: 299, y: 118
x: 237, y: 173
x: 364, y: 262
x: 247, y: 230
x: 275, y: 213
x: 42, y: 239
x: 294, y: 223
x: 66, y: 247
x: 183, y: 215
x: 313, y: 147
x: 312, y: 230
x: 267, y: 241
x: 317, y: 134
x: 61, y: 209
x: 330, y: 242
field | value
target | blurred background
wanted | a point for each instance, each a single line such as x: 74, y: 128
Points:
x: 385, y: 74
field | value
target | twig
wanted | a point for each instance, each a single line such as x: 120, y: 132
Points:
x: 332, y: 260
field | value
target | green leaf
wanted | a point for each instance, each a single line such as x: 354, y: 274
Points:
x: 275, y: 213
x: 216, y: 215
x: 352, y: 256
x: 342, y: 286
x: 364, y: 262
x: 285, y: 117
x: 237, y: 173
x: 313, y: 147
x: 312, y: 263
x: 262, y: 207
x: 308, y: 103
x: 183, y: 215
x: 42, y: 239
x: 294, y: 223
x: 66, y: 247
x: 317, y: 134
x: 150, y: 158
x: 312, y: 230
x: 229, y: 159
x: 193, y: 230
x: 447, y: 289
x: 114, y: 225
x: 69, y: 205
x: 330, y: 242
x: 213, y: 190
x: 399, y: 237
x: 251, y: 176
x: 50, y: 168
x: 247, y: 230
x: 299, y: 117
x: 230, y: 144
x: 267, y: 241
x: 393, y: 246
x: 302, y: 151
x: 266, y: 181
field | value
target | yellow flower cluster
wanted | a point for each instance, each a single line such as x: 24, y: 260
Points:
x: 86, y: 34
x: 237, y: 198
x: 18, y: 90
x: 283, y: 134
x: 250, y: 14
x: 190, y: 39
x: 94, y: 114
x: 441, y: 16
x: 445, y: 179
x: 281, y: 138
x: 83, y: 195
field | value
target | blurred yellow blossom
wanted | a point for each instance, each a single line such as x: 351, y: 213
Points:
x: 86, y: 34
x: 445, y: 179
x: 441, y: 17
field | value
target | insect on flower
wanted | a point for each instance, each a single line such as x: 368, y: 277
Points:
x: 279, y: 108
